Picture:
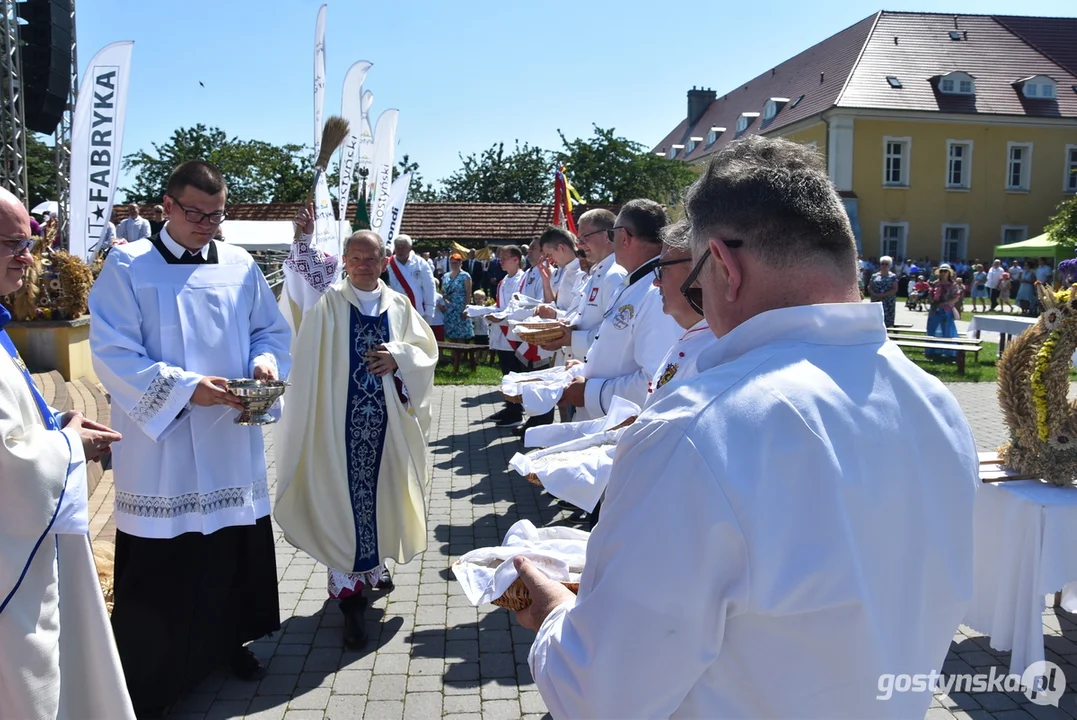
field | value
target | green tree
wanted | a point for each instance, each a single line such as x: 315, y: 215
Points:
x: 40, y: 170
x: 606, y: 168
x: 522, y: 175
x: 256, y: 171
x: 1062, y: 227
x: 416, y: 191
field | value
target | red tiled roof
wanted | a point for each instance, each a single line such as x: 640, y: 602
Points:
x: 987, y: 51
x: 850, y: 69
x: 478, y: 223
x: 800, y: 75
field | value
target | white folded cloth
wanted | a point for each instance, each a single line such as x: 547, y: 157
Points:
x: 576, y: 471
x: 550, y: 435
x: 539, y: 389
x: 486, y: 573
x: 474, y: 311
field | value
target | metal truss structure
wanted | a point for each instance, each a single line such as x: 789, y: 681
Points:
x: 12, y: 121
x: 63, y: 142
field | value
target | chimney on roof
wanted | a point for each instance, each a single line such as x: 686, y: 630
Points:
x: 821, y: 77
x: 698, y: 102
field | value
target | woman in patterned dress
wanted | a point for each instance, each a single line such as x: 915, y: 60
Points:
x: 456, y: 289
x: 883, y: 288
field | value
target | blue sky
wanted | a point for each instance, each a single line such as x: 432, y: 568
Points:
x: 464, y: 75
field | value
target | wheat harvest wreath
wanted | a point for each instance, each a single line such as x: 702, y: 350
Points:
x: 1033, y: 388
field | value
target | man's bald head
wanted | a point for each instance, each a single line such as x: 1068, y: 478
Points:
x: 14, y: 226
x: 364, y: 237
x: 14, y: 220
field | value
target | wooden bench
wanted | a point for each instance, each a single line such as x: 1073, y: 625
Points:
x: 960, y: 348
x: 460, y: 350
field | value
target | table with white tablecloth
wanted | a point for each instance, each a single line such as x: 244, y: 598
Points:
x: 1004, y: 325
x: 1025, y: 535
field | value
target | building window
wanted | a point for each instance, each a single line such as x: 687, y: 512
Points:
x: 954, y: 242
x: 896, y: 161
x: 712, y: 136
x: 1040, y: 87
x: 1069, y: 182
x: 1014, y: 233
x: 690, y: 148
x: 1019, y: 166
x: 742, y: 124
x: 1047, y: 90
x: 958, y: 164
x: 892, y: 237
x: 957, y: 83
x: 1032, y: 90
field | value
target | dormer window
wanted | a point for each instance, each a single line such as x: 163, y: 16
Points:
x: 692, y: 144
x: 1038, y: 87
x: 745, y: 120
x: 712, y: 136
x: 957, y: 83
x: 673, y: 150
x: 773, y: 106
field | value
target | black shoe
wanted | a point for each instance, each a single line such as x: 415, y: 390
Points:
x: 246, y: 666
x: 386, y: 580
x: 501, y: 414
x: 354, y: 609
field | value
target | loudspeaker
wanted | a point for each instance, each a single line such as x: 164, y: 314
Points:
x: 46, y: 61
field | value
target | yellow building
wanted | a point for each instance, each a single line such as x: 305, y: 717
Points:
x: 946, y: 134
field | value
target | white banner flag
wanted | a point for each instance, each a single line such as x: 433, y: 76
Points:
x: 351, y: 109
x: 381, y: 176
x: 326, y: 238
x: 97, y: 146
x: 319, y: 77
x: 366, y: 148
x: 387, y: 222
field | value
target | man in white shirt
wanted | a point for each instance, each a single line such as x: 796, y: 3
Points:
x: 532, y: 285
x: 500, y: 337
x: 412, y: 275
x: 994, y: 277
x: 562, y: 286
x: 602, y: 283
x: 635, y: 334
x: 134, y: 227
x: 803, y: 568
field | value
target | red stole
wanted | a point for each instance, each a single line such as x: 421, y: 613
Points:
x: 395, y: 267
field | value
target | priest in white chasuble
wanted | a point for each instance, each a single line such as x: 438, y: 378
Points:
x: 351, y: 458
x: 173, y: 317
x: 57, y: 656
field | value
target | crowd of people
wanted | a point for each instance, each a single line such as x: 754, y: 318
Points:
x: 761, y: 412
x: 1005, y: 284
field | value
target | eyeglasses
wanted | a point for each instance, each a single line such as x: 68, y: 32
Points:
x: 612, y: 232
x: 17, y: 245
x: 198, y: 217
x: 666, y: 263
x: 694, y: 295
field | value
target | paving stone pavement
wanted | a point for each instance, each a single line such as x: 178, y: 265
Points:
x: 432, y: 655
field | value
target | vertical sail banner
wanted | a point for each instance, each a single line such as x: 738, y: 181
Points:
x: 382, y: 175
x: 351, y: 109
x: 366, y: 149
x: 97, y: 146
x: 390, y: 222
x: 319, y: 77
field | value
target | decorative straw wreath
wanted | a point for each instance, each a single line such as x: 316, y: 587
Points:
x: 1033, y: 384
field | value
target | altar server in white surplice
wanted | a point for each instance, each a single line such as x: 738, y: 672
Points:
x: 802, y: 566
x: 57, y: 656
x: 173, y: 316
x: 351, y: 458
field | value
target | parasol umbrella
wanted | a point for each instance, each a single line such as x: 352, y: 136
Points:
x: 49, y: 206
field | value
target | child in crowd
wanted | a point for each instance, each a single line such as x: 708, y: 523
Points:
x: 482, y: 332
x: 438, y: 324
x: 1004, y: 286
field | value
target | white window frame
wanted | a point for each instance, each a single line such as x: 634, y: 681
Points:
x: 1040, y: 87
x: 954, y: 79
x: 905, y: 161
x: 966, y: 165
x: 1007, y: 228
x: 903, y: 242
x: 1069, y: 170
x: 1026, y: 167
x: 965, y: 240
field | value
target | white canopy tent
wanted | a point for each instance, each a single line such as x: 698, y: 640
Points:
x: 252, y: 235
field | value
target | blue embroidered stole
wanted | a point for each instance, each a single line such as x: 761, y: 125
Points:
x: 365, y: 427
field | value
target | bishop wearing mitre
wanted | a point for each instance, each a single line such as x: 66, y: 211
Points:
x: 57, y: 656
x: 352, y: 465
